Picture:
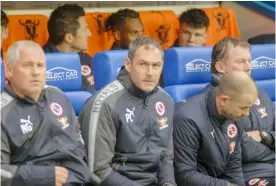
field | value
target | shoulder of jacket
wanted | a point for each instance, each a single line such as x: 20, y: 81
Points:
x: 5, y: 99
x: 108, y: 92
x: 54, y: 89
x: 168, y: 96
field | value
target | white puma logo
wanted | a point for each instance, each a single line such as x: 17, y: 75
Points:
x: 212, y: 133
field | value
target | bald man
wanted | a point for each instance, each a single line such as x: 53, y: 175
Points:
x: 41, y: 144
x: 258, y: 141
x: 206, y: 138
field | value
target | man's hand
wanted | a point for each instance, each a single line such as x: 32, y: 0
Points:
x: 61, y: 175
x: 255, y: 135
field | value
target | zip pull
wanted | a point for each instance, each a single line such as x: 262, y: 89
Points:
x: 124, y: 160
x: 146, y: 101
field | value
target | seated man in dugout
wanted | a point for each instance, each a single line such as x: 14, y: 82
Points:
x: 69, y: 32
x: 127, y: 126
x: 41, y: 143
x: 4, y: 29
x: 126, y: 26
x: 258, y: 142
x: 193, y: 25
x: 207, y: 138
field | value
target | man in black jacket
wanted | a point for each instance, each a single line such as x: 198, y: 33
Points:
x: 127, y: 126
x: 231, y: 54
x: 207, y: 140
x: 41, y: 143
x: 69, y: 32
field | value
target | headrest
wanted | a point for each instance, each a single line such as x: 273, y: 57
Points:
x: 187, y: 65
x: 268, y: 86
x: 78, y: 99
x: 3, y: 79
x: 182, y: 92
x: 106, y: 66
x: 64, y: 71
x: 263, y: 62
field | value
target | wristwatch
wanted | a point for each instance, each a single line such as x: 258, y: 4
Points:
x: 264, y: 136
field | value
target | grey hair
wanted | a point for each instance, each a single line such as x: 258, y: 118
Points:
x: 13, y: 53
x: 221, y: 48
x: 143, y: 41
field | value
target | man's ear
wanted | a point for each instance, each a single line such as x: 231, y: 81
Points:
x: 128, y: 64
x: 117, y: 35
x: 220, y: 67
x: 6, y: 33
x: 9, y: 71
x: 224, y: 99
x: 205, y: 36
x: 68, y: 38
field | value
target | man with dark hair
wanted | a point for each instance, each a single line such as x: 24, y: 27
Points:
x: 41, y: 143
x: 4, y: 28
x: 126, y: 26
x: 127, y: 126
x: 69, y: 32
x: 207, y: 139
x: 193, y: 28
x: 258, y: 142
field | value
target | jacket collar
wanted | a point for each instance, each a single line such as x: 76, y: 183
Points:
x: 175, y: 44
x: 50, y: 47
x: 125, y: 80
x: 29, y: 100
x: 215, y: 79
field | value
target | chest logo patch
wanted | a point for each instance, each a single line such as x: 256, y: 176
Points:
x: 232, y: 130
x: 262, y: 112
x: 263, y: 183
x: 253, y: 181
x: 26, y: 125
x: 129, y: 114
x: 162, y: 122
x: 257, y: 102
x: 160, y: 108
x: 56, y: 109
x: 232, y: 147
x: 63, y: 122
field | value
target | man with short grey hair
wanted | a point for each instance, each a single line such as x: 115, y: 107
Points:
x: 127, y: 126
x: 258, y: 145
x: 41, y: 144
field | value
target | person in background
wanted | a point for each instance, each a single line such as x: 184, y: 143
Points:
x: 193, y: 28
x: 4, y: 28
x: 69, y: 32
x: 126, y: 26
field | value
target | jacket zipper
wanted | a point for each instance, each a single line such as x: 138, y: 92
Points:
x: 124, y: 159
